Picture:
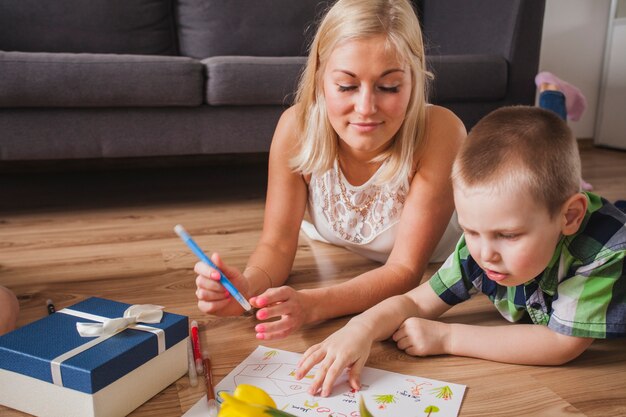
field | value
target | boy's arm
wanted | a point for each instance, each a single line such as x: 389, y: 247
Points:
x: 382, y: 320
x: 350, y: 346
x: 525, y: 344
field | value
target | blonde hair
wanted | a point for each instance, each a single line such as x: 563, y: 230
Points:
x: 521, y: 147
x: 361, y: 19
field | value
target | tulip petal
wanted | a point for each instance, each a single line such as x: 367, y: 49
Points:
x: 253, y: 395
x: 363, y: 409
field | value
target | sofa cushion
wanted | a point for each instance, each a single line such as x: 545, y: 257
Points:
x: 61, y: 133
x: 456, y: 27
x: 98, y: 80
x: 467, y: 77
x: 244, y: 27
x: 95, y: 26
x: 249, y: 80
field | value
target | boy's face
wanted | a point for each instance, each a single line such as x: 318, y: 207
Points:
x: 510, y: 236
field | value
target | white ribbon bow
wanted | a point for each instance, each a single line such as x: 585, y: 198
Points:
x: 138, y: 313
x: 107, y: 328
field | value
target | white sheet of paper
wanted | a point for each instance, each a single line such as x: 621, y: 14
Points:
x: 385, y: 393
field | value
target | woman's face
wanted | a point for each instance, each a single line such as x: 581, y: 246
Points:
x: 367, y: 91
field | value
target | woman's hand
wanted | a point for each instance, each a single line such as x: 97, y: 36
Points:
x: 348, y: 347
x: 290, y: 306
x: 213, y: 298
x: 421, y: 337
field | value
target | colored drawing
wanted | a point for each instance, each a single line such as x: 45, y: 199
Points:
x: 308, y: 376
x: 385, y: 393
x: 416, y: 389
x: 307, y: 404
x: 383, y: 399
x: 443, y: 392
x: 431, y: 409
x: 269, y: 354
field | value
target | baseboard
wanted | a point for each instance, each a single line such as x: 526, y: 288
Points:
x: 585, y: 143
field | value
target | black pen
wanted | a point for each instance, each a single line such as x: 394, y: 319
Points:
x: 50, y: 306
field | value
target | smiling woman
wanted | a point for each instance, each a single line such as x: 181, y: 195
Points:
x: 370, y: 160
x: 366, y: 101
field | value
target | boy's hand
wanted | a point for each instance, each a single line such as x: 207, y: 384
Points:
x: 421, y: 337
x: 213, y: 298
x: 348, y: 347
x: 289, y: 305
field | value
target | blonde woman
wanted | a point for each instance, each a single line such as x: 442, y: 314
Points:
x: 370, y: 160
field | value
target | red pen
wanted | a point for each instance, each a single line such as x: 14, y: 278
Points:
x: 195, y: 341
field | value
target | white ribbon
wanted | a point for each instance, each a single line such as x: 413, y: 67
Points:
x: 108, y: 327
x: 139, y: 313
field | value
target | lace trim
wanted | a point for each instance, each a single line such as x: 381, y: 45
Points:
x: 356, y: 214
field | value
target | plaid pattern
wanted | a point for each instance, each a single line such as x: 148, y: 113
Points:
x: 582, y: 292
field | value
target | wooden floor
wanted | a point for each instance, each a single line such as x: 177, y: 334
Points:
x: 68, y: 236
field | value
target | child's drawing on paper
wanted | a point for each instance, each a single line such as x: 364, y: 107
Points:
x: 431, y: 409
x: 383, y: 399
x: 386, y: 393
x: 443, y: 392
x: 269, y: 354
x: 416, y: 387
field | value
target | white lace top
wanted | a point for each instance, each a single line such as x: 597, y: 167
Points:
x: 361, y: 218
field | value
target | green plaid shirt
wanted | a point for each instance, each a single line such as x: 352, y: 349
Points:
x: 582, y: 292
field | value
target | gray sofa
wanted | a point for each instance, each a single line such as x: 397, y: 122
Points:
x: 145, y: 78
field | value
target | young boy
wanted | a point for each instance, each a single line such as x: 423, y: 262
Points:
x: 532, y: 242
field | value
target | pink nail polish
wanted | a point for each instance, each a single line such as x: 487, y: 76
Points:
x: 260, y: 336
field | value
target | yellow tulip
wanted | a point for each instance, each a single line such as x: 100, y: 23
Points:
x: 363, y: 409
x: 251, y: 401
x: 254, y: 395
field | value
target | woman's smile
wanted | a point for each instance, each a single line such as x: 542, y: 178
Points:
x: 365, y: 127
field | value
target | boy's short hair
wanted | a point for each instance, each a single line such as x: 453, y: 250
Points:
x: 521, y: 147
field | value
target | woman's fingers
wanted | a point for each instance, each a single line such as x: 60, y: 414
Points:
x: 284, y: 308
x: 275, y: 329
x: 282, y: 303
x: 211, y: 307
x: 209, y: 290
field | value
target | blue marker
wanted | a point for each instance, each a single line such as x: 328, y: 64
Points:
x: 180, y: 231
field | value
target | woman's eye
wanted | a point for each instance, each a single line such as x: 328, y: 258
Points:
x: 509, y: 236
x: 344, y: 88
x: 393, y: 89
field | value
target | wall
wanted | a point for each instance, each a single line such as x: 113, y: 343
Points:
x: 572, y: 48
x: 621, y: 8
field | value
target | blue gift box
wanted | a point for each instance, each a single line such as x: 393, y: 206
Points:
x: 27, y: 355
